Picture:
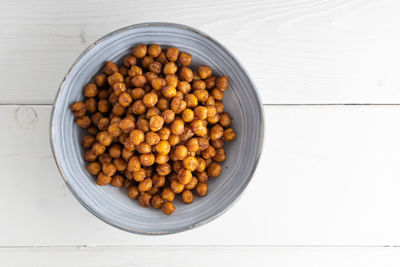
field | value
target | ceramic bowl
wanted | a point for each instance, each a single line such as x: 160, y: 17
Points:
x: 112, y: 204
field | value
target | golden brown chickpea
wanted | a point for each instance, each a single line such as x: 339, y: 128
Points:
x: 185, y: 59
x: 192, y: 184
x: 150, y: 99
x: 104, y: 138
x: 216, y: 132
x: 91, y: 90
x: 118, y: 109
x: 168, y: 194
x: 113, y: 98
x: 143, y: 124
x: 168, y: 116
x: 163, y: 104
x: 143, y: 148
x: 201, y: 95
x: 144, y: 200
x: 214, y: 169
x: 178, y: 105
x: 198, y: 127
x: 225, y: 119
x: 177, y: 126
x: 162, y: 57
x: 163, y: 169
x: 105, y: 158
x: 93, y: 168
x: 110, y: 68
x: 133, y: 192
x: 158, y: 83
x: 109, y: 169
x: 146, y: 61
x: 161, y: 158
x: 137, y: 136
x: 214, y: 119
x: 211, y: 111
x: 139, y: 175
x: 200, y: 112
x: 184, y: 176
x: 98, y: 148
x: 187, y: 115
x: 92, y: 130
x: 190, y: 163
x: 191, y: 101
x: 150, y: 75
x: 129, y: 61
x: 204, y: 72
x: 196, y: 76
x: 217, y: 94
x: 186, y: 74
x: 171, y: 80
x: 163, y: 147
x: 155, y: 67
x: 145, y: 185
x: 201, y: 166
x: 124, y: 99
x: 156, y: 123
x: 88, y: 141
x: 203, y: 143
x: 187, y: 196
x: 120, y: 164
x: 180, y: 152
x: 115, y: 119
x: 222, y: 83
x: 187, y: 133
x: 229, y: 134
x: 139, y: 51
x: 103, y: 106
x: 157, y: 201
x: 134, y: 164
x: 210, y: 101
x: 127, y: 183
x: 158, y: 180
x: 149, y: 171
x: 179, y: 95
x: 100, y: 80
x: 152, y: 138
x: 169, y: 92
x: 117, y: 180
x: 172, y: 53
x: 168, y: 208
x: 164, y: 133
x: 153, y: 191
x: 119, y: 88
x: 219, y: 155
x: 170, y: 68
x: 199, y: 85
x: 115, y: 78
x: 177, y: 187
x: 172, y: 176
x: 103, y: 179
x: 126, y: 125
x: 139, y: 81
x: 192, y: 145
x: 184, y: 87
x: 126, y: 154
x: 201, y: 189
x: 202, y: 177
x: 128, y: 144
x: 208, y: 153
x: 78, y: 108
x: 210, y: 82
x: 177, y: 165
x: 114, y: 130
x: 173, y: 139
x: 137, y: 93
x: 83, y: 122
x: 138, y: 107
x: 147, y: 159
x: 90, y: 106
x: 218, y: 143
x: 115, y: 151
x: 154, y: 50
x: 123, y: 70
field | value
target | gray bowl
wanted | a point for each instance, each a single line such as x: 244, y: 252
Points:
x: 111, y: 204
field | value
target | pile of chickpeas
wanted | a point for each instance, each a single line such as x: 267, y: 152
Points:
x: 155, y: 126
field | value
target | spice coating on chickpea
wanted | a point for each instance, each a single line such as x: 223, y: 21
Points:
x: 168, y: 208
x: 187, y: 196
x: 201, y: 189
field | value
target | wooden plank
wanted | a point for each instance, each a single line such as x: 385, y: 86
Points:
x: 200, y: 256
x: 307, y: 51
x: 328, y: 176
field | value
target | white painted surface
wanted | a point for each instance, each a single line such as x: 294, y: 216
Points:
x: 326, y: 192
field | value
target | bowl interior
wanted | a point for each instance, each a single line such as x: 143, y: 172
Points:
x: 111, y: 204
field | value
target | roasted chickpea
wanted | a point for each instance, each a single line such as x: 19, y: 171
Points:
x: 88, y: 141
x: 128, y: 144
x: 177, y: 165
x: 198, y: 128
x: 126, y: 125
x: 190, y: 163
x: 187, y: 115
x: 169, y: 91
x: 143, y: 124
x: 177, y: 126
x: 203, y: 143
x: 119, y: 88
x: 155, y: 67
x: 90, y: 105
x: 133, y: 192
x: 117, y: 180
x: 214, y: 169
x: 186, y: 74
x: 225, y: 119
x: 83, y: 122
x: 156, y: 123
x: 191, y: 101
x: 145, y: 185
x: 217, y: 143
x: 126, y: 154
x: 185, y: 59
x: 149, y: 171
x: 138, y: 107
x: 92, y: 130
x: 93, y: 168
x: 172, y: 80
x: 172, y: 53
x: 178, y: 105
x: 120, y: 164
x: 219, y: 155
x: 180, y: 152
x: 147, y: 159
x: 177, y: 187
x: 91, y: 90
x: 137, y: 93
x: 139, y: 51
x: 115, y: 78
x: 152, y: 138
x: 187, y: 196
x: 150, y: 75
x: 208, y: 153
x: 217, y: 94
x: 100, y: 80
x: 200, y: 112
x: 162, y: 104
x: 98, y: 148
x: 204, y: 72
x: 222, y: 83
x: 168, y: 208
x: 201, y: 95
x: 158, y: 83
x: 170, y: 68
x: 115, y: 151
x: 184, y: 87
x: 158, y: 180
x: 153, y: 191
x: 210, y: 102
x: 139, y: 175
x: 78, y: 108
x: 199, y: 85
x: 110, y: 68
x: 103, y: 94
x: 184, y: 176
x: 168, y: 116
x: 229, y: 134
x: 109, y: 169
x: 173, y: 139
x: 103, y: 106
x: 137, y: 136
x: 214, y: 119
x: 163, y: 147
x: 192, y: 184
x: 118, y: 109
x: 187, y: 133
x: 127, y: 183
x: 113, y: 98
x: 146, y: 61
x: 202, y: 177
x: 139, y: 81
x: 157, y: 201
x: 134, y: 164
x: 162, y: 57
x: 144, y: 200
x: 104, y: 138
x: 201, y: 189
x: 114, y: 130
x: 210, y: 82
x: 124, y: 99
x: 163, y: 169
x: 154, y: 50
x: 150, y: 99
x: 192, y: 145
x: 201, y: 166
x: 105, y: 158
x: 129, y: 61
x: 103, y: 179
x: 216, y: 132
x: 161, y: 158
x: 168, y: 194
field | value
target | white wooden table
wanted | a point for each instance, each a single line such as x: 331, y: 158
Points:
x: 327, y: 191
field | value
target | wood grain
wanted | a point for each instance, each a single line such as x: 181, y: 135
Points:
x: 308, y: 51
x: 328, y: 176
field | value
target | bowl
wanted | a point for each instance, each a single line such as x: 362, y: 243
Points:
x: 111, y: 204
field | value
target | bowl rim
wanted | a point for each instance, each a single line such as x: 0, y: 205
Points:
x: 229, y: 53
